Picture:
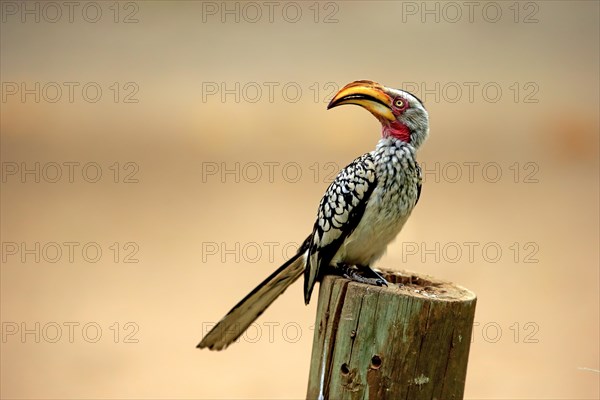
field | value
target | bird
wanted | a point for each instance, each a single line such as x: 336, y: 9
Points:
x: 362, y: 211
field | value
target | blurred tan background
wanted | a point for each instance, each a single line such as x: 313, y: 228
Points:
x: 207, y: 123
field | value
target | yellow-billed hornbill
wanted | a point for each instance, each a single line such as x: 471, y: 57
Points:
x: 362, y: 211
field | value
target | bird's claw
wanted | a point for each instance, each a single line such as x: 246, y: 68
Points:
x: 362, y: 274
x: 381, y: 282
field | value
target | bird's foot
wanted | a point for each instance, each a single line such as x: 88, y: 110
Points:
x: 361, y: 273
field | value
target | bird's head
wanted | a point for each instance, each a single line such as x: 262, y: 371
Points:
x: 402, y: 115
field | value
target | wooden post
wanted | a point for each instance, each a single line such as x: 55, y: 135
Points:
x: 407, y: 341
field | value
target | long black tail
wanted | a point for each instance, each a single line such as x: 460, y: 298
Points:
x: 252, y: 306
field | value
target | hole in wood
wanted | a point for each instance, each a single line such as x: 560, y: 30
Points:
x: 376, y: 362
x: 345, y: 370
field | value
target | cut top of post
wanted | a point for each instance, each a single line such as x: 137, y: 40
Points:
x: 425, y: 286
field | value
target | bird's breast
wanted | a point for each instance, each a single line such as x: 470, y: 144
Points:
x: 387, y: 209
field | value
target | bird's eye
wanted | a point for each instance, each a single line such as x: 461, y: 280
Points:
x: 399, y: 103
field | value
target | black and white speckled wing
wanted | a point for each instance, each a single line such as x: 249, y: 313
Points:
x: 340, y: 211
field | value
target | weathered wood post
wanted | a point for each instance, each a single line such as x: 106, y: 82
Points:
x: 407, y: 341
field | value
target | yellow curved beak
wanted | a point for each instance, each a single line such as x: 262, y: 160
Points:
x: 368, y: 94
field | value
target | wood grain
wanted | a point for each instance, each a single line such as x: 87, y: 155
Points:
x: 409, y: 340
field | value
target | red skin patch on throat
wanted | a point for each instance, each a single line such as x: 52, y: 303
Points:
x: 397, y: 130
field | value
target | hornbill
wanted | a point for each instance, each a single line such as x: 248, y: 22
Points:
x: 362, y: 211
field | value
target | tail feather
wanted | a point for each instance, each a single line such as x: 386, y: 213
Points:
x: 252, y: 306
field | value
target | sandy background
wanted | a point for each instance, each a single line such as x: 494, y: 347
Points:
x: 214, y: 147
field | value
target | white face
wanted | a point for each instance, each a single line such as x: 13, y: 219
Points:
x: 412, y: 114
